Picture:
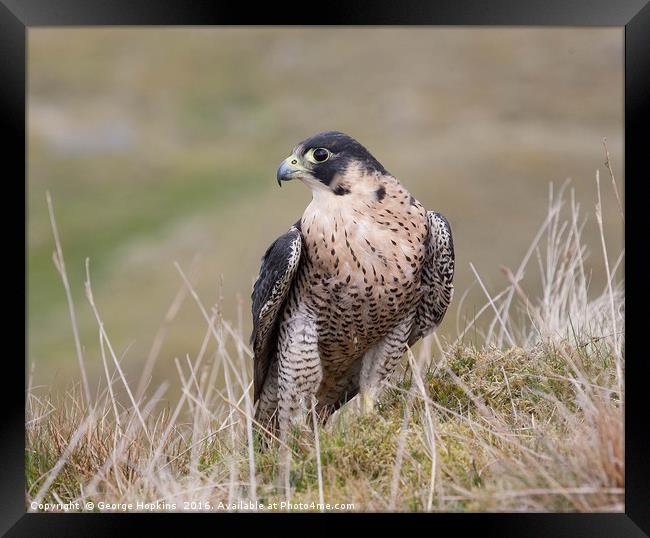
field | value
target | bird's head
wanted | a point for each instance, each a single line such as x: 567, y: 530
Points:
x: 331, y: 162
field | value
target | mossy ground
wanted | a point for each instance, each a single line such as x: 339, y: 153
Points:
x: 507, y: 430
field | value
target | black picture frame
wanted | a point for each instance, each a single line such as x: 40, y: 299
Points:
x: 17, y: 16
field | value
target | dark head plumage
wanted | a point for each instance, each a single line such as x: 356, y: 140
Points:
x: 344, y: 149
x: 326, y: 155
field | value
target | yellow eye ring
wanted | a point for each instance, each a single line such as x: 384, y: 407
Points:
x: 318, y: 155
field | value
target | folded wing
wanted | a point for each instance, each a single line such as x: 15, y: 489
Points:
x: 437, y: 278
x: 279, y: 266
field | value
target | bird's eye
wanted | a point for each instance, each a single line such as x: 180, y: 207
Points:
x: 320, y: 155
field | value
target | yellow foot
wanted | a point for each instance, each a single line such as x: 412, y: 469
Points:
x: 368, y: 402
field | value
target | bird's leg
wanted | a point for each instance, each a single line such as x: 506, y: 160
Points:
x: 284, y: 464
x: 267, y: 405
x: 299, y: 376
x: 369, y: 379
x: 368, y: 398
x: 380, y: 361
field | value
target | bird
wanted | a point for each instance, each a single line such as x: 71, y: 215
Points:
x: 365, y: 273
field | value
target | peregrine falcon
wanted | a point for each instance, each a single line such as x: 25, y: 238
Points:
x: 365, y: 272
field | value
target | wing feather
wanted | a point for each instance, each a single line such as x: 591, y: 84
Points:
x: 279, y: 266
x: 437, y: 277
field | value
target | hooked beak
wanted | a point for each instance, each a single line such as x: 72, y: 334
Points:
x: 289, y: 168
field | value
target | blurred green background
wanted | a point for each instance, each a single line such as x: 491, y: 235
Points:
x: 161, y: 144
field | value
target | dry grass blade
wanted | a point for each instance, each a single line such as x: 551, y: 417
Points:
x: 617, y: 348
x: 401, y: 446
x: 491, y: 301
x: 608, y: 164
x: 59, y: 262
x: 91, y: 300
x: 159, y: 338
x: 72, y: 444
x: 319, y: 470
